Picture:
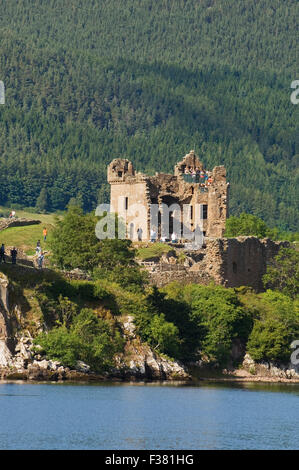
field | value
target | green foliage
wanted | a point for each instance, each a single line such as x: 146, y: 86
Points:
x: 170, y: 300
x: 276, y: 326
x: 146, y: 80
x: 42, y: 202
x: 248, y: 224
x: 60, y: 345
x: 155, y: 250
x: 283, y: 272
x: 75, y: 245
x: 129, y: 277
x: 90, y: 339
x: 163, y: 335
x: 67, y: 310
x: 73, y: 242
x: 221, y: 318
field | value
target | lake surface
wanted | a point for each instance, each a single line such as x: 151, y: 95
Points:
x: 148, y: 416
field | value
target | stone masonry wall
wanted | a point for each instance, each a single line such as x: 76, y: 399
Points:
x: 231, y: 262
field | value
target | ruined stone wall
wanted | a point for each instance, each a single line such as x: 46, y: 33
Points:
x: 217, y: 203
x: 231, y: 262
x: 162, y: 273
x: 6, y: 223
x: 245, y: 260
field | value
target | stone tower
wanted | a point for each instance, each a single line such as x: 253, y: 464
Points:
x: 191, y: 194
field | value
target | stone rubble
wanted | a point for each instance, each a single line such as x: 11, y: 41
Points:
x: 270, y: 369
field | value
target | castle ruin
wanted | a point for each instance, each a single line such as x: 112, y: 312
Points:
x: 190, y: 188
x: 231, y: 262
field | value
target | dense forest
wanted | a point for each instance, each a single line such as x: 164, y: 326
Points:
x: 88, y: 81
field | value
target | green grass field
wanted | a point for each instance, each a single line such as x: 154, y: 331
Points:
x: 25, y: 238
x: 152, y: 250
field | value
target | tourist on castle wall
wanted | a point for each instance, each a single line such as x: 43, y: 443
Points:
x: 153, y: 236
x: 174, y: 238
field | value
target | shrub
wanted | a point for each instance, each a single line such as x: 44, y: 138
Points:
x: 220, y: 317
x: 90, y: 339
x: 283, y: 272
x: 276, y: 326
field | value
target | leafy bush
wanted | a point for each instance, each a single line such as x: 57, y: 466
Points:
x: 90, y: 339
x: 248, y: 224
x: 275, y: 327
x: 100, y: 291
x: 163, y: 335
x: 74, y: 243
x: 283, y: 272
x: 220, y: 317
x: 130, y: 278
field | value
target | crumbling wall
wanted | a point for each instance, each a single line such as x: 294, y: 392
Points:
x: 6, y: 223
x: 218, y: 203
x: 245, y: 260
x: 162, y: 273
x: 231, y: 262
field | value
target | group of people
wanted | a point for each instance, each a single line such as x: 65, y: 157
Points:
x: 205, y: 179
x: 38, y: 250
x: 13, y: 254
x: 164, y: 239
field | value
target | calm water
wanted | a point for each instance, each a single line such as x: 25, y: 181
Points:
x: 113, y: 416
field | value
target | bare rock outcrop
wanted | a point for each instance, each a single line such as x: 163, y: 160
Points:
x: 140, y: 361
x: 270, y: 369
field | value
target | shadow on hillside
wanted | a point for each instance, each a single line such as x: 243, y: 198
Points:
x: 24, y: 275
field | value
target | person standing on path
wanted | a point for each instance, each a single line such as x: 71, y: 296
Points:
x: 40, y: 260
x: 2, y: 253
x: 13, y: 254
x: 38, y: 248
x: 45, y: 233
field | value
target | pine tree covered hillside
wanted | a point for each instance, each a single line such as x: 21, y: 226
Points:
x: 88, y: 81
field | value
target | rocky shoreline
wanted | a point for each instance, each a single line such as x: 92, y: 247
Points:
x: 21, y: 360
x: 137, y: 362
